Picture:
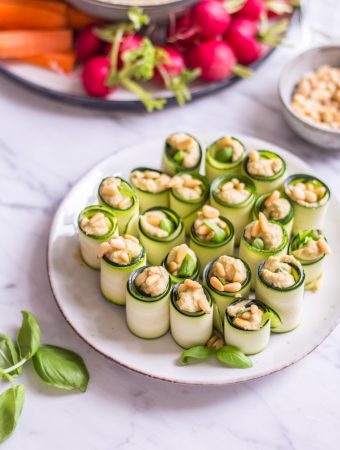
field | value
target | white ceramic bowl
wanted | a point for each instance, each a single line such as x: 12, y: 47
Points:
x: 291, y: 74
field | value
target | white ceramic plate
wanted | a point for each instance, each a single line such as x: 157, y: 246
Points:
x: 102, y: 325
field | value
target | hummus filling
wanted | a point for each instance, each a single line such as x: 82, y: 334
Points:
x: 112, y: 192
x: 97, y: 225
x: 150, y: 180
x: 275, y: 207
x: 181, y: 261
x: 191, y: 297
x: 228, y: 150
x: 309, y: 193
x: 278, y: 271
x: 311, y: 245
x: 208, y: 225
x: 263, y: 167
x: 263, y: 235
x: 187, y: 186
x: 233, y: 192
x: 157, y: 223
x: 185, y: 149
x: 152, y: 281
x: 122, y: 250
x: 228, y: 274
x: 245, y: 315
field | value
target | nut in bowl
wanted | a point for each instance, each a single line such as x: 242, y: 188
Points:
x: 317, y: 125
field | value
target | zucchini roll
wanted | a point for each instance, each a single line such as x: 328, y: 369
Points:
x: 224, y: 155
x: 310, y: 197
x: 181, y: 263
x: 310, y: 247
x: 226, y: 277
x: 182, y: 153
x: 118, y: 258
x: 160, y: 229
x: 280, y: 285
x: 117, y: 194
x: 234, y: 196
x: 187, y: 195
x: 211, y: 235
x: 260, y: 240
x: 191, y: 317
x: 148, y: 302
x: 151, y: 186
x: 277, y: 208
x: 266, y: 169
x: 247, y: 326
x: 96, y: 224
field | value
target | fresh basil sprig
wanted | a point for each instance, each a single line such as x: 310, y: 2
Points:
x: 196, y: 352
x: 56, y: 366
x: 220, y: 234
x: 188, y: 266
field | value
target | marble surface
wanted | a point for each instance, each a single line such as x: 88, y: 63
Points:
x: 44, y: 148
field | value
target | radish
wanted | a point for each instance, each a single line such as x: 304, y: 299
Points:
x: 252, y: 9
x: 250, y: 40
x: 174, y: 65
x: 210, y: 19
x: 181, y: 33
x: 95, y: 73
x: 214, y: 58
x: 87, y: 44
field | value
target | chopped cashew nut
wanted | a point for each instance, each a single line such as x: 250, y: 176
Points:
x: 111, y: 193
x: 97, y: 225
x: 121, y: 250
x: 191, y: 297
x: 270, y: 233
x: 152, y: 281
x: 186, y: 144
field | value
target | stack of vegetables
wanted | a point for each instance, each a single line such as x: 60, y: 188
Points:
x: 173, y: 264
x: 213, y: 40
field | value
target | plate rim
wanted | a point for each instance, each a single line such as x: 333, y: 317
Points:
x: 131, y: 148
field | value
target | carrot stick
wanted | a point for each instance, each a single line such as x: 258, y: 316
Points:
x: 57, y: 62
x: 50, y: 5
x: 21, y: 44
x: 78, y: 19
x: 29, y: 17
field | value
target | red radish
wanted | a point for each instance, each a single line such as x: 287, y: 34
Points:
x: 174, y: 66
x: 87, y: 44
x: 252, y: 9
x: 210, y: 18
x: 215, y: 58
x: 95, y: 73
x: 242, y: 36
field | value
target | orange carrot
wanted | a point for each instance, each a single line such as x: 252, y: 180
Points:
x: 78, y: 19
x: 22, y: 44
x: 57, y: 62
x: 29, y: 17
x: 50, y: 5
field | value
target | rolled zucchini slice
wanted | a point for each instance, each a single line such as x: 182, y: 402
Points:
x: 266, y: 169
x: 226, y: 277
x: 211, y: 235
x: 160, y: 229
x: 182, y: 263
x: 275, y: 207
x: 223, y: 156
x: 191, y: 320
x: 310, y: 247
x: 151, y: 186
x: 234, y: 196
x: 247, y: 325
x: 96, y: 224
x: 148, y: 302
x: 118, y: 258
x: 118, y: 195
x: 282, y: 289
x: 310, y: 197
x: 189, y: 192
x: 258, y: 243
x: 182, y: 153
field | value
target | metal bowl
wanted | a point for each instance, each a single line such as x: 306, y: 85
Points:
x: 157, y: 10
x: 291, y: 74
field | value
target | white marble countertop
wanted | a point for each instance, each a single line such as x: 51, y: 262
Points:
x: 44, y: 148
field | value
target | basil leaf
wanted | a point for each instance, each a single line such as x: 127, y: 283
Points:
x: 9, y: 355
x: 220, y: 235
x: 61, y: 368
x: 11, y: 403
x: 188, y: 266
x: 258, y: 243
x: 125, y: 189
x: 266, y: 316
x: 167, y: 225
x: 233, y: 357
x: 179, y: 156
x: 224, y: 154
x: 28, y: 337
x: 197, y: 352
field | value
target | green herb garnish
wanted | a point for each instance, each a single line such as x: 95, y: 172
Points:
x: 233, y: 357
x: 258, y: 243
x: 188, y: 266
x: 224, y: 155
x: 197, y: 352
x: 179, y: 156
x: 167, y: 225
x: 220, y: 234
